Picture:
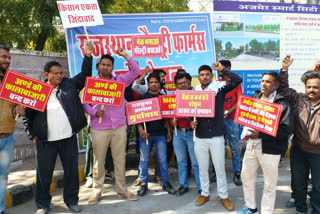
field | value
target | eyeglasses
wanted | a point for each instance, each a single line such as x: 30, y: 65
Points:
x: 182, y: 83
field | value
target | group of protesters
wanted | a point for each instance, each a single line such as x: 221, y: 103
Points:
x: 54, y: 132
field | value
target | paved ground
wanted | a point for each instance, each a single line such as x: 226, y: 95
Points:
x: 158, y: 201
x: 28, y: 169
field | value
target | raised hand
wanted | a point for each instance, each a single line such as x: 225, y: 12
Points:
x: 286, y: 62
x: 316, y: 67
x: 89, y: 48
x: 217, y: 66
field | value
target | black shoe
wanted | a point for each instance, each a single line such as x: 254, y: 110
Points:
x: 237, y: 179
x: 213, y: 179
x: 182, y: 190
x: 143, y: 190
x: 167, y: 187
x: 74, y: 208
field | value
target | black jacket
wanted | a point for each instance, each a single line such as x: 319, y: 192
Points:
x: 213, y: 127
x: 35, y: 122
x: 279, y: 144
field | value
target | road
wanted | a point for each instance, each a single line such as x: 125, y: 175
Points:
x: 159, y: 202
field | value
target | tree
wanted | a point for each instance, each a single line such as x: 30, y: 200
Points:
x: 228, y: 46
x: 29, y: 24
x: 149, y: 6
x: 36, y: 24
x: 218, y: 45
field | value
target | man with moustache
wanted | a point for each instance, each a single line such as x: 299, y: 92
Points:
x: 183, y: 142
x: 264, y: 150
x: 305, y: 150
x: 8, y: 112
x: 54, y: 132
x: 157, y: 132
x: 110, y: 130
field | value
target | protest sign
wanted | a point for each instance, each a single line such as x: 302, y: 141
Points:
x: 80, y: 13
x: 103, y: 92
x: 147, y: 46
x: 167, y: 105
x: 25, y: 90
x: 258, y: 114
x: 170, y: 86
x: 143, y: 111
x: 195, y: 103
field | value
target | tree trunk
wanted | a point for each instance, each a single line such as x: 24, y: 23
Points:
x: 41, y: 40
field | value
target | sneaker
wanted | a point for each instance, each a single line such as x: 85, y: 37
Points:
x: 128, y: 195
x: 291, y: 203
x: 227, y: 204
x: 237, y: 179
x: 42, y: 211
x: 202, y: 200
x: 143, y: 190
x: 182, y: 190
x: 94, y: 198
x: 167, y: 187
x: 89, y: 182
x: 74, y: 208
x: 245, y: 210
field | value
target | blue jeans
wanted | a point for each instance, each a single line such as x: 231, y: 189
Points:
x: 161, y: 151
x: 6, y: 153
x: 182, y: 144
x: 232, y: 133
x: 301, y: 163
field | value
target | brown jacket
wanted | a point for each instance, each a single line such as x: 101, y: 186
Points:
x: 7, y: 121
x: 307, y: 126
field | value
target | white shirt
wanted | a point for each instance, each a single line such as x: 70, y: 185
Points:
x: 257, y: 143
x: 213, y: 86
x: 142, y: 89
x: 58, y: 124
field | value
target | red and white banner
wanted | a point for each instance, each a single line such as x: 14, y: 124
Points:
x: 80, y: 13
x: 103, y: 92
x: 167, y: 105
x: 143, y: 111
x: 170, y: 86
x: 147, y: 46
x: 258, y: 114
x: 25, y: 90
x: 195, y: 103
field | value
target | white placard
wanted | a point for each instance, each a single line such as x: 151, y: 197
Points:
x: 80, y: 13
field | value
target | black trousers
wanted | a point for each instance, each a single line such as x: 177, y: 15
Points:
x: 46, y: 153
x: 302, y: 162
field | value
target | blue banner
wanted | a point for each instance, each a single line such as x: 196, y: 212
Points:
x: 188, y: 41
